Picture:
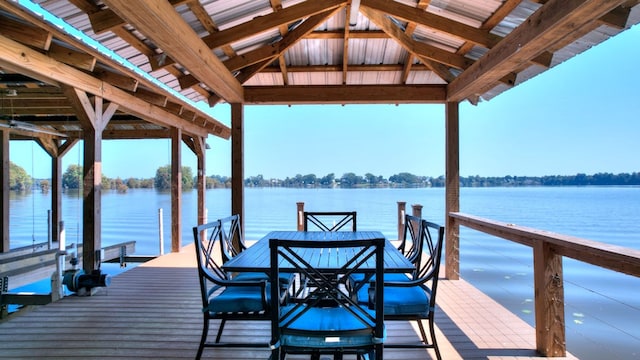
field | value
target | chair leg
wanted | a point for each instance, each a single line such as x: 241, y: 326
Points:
x: 203, y: 338
x: 423, y: 334
x: 219, y: 335
x: 433, y: 337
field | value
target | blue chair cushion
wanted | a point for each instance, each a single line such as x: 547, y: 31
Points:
x: 398, y: 300
x: 326, y: 327
x: 285, y: 278
x: 236, y: 299
x: 359, y: 277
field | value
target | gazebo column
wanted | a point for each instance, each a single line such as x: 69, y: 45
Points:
x: 4, y: 197
x: 198, y: 145
x: 56, y: 149
x: 176, y: 189
x: 93, y: 119
x: 237, y: 161
x: 452, y: 192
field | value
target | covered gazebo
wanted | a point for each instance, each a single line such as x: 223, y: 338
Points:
x: 122, y: 69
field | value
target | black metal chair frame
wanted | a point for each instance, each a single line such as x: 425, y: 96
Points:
x: 344, y: 218
x: 327, y: 290
x: 411, y: 243
x: 213, y: 279
x: 426, y: 277
x: 232, y: 239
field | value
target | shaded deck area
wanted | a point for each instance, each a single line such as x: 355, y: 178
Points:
x: 153, y: 312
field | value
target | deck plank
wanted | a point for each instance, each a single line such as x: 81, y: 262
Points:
x: 153, y: 312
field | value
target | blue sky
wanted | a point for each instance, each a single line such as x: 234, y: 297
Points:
x: 583, y: 116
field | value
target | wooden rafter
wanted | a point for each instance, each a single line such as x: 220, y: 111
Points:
x: 547, y: 26
x: 175, y: 106
x: 162, y: 24
x: 27, y: 61
x: 345, y: 94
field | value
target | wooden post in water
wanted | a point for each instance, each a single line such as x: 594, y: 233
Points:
x: 402, y: 205
x: 416, y: 210
x: 300, y: 206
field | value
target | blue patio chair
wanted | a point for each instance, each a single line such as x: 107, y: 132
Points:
x: 325, y: 319
x: 224, y: 298
x: 409, y: 246
x: 414, y: 298
x: 329, y: 220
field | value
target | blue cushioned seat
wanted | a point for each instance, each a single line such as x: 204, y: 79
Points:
x: 321, y: 328
x: 238, y: 299
x: 398, y: 300
x: 224, y: 298
x: 284, y: 278
x: 358, y: 278
x: 325, y: 318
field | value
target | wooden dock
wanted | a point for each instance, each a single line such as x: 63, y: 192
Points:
x: 153, y: 312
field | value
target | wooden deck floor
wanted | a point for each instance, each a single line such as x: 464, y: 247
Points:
x: 153, y: 312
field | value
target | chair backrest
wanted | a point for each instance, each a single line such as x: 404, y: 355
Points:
x: 330, y: 220
x: 327, y: 264
x: 208, y: 256
x: 231, y: 238
x: 429, y: 259
x: 411, y: 244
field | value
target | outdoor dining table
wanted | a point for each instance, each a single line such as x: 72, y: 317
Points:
x: 256, y: 257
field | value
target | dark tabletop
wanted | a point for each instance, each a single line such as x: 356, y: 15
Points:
x: 256, y: 257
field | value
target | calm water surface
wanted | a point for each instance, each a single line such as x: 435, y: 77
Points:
x: 602, y: 307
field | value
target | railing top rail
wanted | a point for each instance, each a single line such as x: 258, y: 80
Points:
x: 613, y: 257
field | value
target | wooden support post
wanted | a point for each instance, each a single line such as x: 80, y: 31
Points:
x: 56, y: 196
x: 4, y: 197
x: 237, y: 161
x: 56, y: 149
x: 416, y: 210
x: 176, y: 189
x: 92, y: 199
x: 201, y: 179
x: 452, y: 192
x: 300, y: 213
x: 402, y: 206
x: 549, y: 300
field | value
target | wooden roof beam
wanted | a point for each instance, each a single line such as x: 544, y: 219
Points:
x: 270, y: 21
x: 433, y: 21
x: 159, y: 21
x: 421, y: 50
x: 223, y: 39
x: 270, y: 52
x: 25, y: 33
x: 32, y: 63
x: 107, y: 20
x: 17, y: 10
x: 345, y: 94
x: 544, y: 28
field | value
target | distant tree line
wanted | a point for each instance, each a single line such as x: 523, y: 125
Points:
x: 20, y: 180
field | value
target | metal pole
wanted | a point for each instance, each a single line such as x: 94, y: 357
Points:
x: 49, y: 240
x: 160, y: 231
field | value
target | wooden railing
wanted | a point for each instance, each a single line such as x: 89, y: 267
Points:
x: 548, y: 250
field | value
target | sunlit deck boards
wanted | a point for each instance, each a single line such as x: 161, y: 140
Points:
x: 153, y: 312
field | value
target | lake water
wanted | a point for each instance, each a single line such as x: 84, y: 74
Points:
x: 602, y: 306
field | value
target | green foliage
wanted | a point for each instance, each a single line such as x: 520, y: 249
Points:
x: 187, y: 178
x: 19, y: 180
x: 163, y: 178
x: 72, y: 177
x: 45, y: 186
x: 217, y: 182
